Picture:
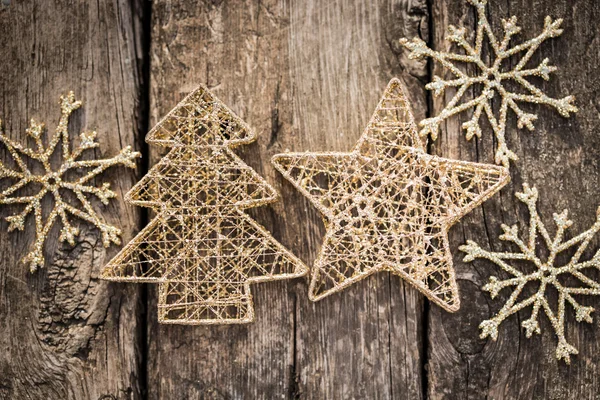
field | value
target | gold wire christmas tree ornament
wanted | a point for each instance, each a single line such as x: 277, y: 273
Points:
x: 388, y: 205
x: 546, y: 274
x: 491, y: 78
x: 201, y: 248
x: 54, y: 182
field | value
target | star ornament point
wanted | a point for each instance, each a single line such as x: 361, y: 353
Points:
x: 388, y: 205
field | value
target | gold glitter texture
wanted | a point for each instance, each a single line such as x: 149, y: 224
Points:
x: 54, y: 183
x: 202, y: 249
x: 388, y: 205
x: 489, y: 78
x: 546, y: 274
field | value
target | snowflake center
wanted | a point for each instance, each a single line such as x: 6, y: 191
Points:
x: 52, y: 182
x: 490, y: 77
x: 493, y: 78
x: 548, y: 274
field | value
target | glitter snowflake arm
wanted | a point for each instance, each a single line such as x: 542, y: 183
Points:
x: 68, y: 104
x: 88, y: 141
x: 552, y: 29
x: 7, y: 173
x: 53, y: 182
x: 23, y: 181
x: 110, y: 234
x: 545, y: 273
x: 126, y: 158
x: 564, y: 106
x: 12, y: 148
x: 17, y: 221
x: 490, y: 78
x: 35, y: 258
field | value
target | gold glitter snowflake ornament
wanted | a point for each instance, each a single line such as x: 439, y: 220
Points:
x: 388, y: 204
x: 202, y: 249
x: 491, y: 78
x: 546, y: 274
x: 55, y: 182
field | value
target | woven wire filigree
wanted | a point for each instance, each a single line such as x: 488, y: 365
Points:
x: 201, y: 248
x: 388, y: 205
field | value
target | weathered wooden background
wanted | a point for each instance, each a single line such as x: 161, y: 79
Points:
x: 306, y: 75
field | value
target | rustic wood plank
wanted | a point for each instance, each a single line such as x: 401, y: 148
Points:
x: 231, y: 47
x: 64, y: 334
x: 365, y: 342
x: 561, y: 159
x: 306, y: 76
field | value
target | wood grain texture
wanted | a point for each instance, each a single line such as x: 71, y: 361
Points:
x: 561, y: 159
x: 63, y: 333
x: 305, y: 75
x: 365, y: 342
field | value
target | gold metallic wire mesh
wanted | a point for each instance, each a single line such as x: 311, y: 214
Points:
x: 388, y: 205
x: 202, y: 249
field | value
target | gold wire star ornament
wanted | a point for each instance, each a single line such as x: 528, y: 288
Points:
x: 54, y: 183
x: 491, y: 78
x: 202, y: 249
x: 388, y: 204
x: 548, y: 274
